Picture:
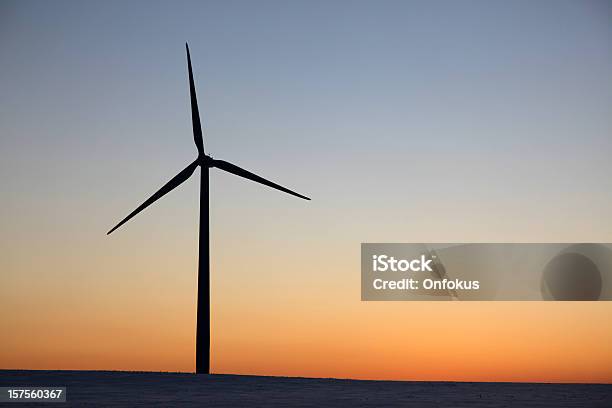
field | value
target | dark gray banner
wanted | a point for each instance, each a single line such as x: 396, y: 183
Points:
x: 393, y: 271
x: 32, y: 394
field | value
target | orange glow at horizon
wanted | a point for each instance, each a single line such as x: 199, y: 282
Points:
x: 293, y: 327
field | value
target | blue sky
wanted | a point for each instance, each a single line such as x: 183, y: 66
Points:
x: 466, y: 114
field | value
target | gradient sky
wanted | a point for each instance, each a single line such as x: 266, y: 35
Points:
x: 472, y: 121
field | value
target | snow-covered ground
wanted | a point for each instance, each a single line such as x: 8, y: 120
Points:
x: 128, y: 389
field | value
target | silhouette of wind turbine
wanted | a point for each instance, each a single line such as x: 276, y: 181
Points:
x: 205, y: 162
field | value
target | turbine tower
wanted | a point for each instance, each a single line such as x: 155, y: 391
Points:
x: 205, y: 162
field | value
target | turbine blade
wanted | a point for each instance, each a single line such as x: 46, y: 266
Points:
x: 195, y: 113
x: 169, y: 186
x: 232, y: 168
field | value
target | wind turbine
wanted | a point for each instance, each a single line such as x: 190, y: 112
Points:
x: 205, y: 162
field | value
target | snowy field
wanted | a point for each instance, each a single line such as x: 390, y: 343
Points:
x: 128, y: 389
